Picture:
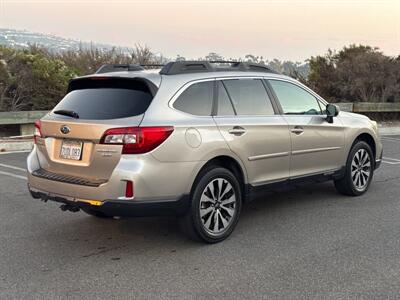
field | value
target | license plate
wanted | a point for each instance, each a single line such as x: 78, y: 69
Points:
x: 71, y: 150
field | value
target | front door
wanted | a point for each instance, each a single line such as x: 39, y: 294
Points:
x: 317, y: 146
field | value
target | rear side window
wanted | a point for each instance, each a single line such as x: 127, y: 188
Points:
x: 249, y: 97
x: 106, y: 98
x: 197, y: 99
x: 224, y: 103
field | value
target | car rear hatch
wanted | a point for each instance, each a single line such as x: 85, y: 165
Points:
x: 69, y: 141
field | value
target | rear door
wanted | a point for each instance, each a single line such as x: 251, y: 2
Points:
x: 72, y: 131
x: 247, y: 120
x: 317, y: 146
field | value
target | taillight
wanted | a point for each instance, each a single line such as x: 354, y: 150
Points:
x: 38, y: 131
x: 136, y: 140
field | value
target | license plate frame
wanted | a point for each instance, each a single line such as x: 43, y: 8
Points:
x: 69, y: 150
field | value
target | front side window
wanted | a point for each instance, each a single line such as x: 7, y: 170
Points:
x: 295, y: 100
x: 197, y: 99
x: 249, y: 97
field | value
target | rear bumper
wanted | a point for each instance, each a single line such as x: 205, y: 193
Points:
x: 151, y: 179
x: 122, y: 208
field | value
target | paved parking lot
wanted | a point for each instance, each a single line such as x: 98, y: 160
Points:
x: 306, y: 243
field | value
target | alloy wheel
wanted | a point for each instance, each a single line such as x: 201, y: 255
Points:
x: 217, y: 206
x: 361, y: 169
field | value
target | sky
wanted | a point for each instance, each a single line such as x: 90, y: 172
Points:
x: 283, y: 29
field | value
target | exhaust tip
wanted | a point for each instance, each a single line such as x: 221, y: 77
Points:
x: 71, y: 208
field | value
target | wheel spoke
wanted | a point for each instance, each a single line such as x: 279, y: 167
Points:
x: 230, y: 211
x: 216, y: 221
x: 223, y: 188
x: 207, y: 192
x: 365, y: 173
x: 362, y: 180
x: 208, y: 222
x: 356, y: 181
x: 230, y: 200
x: 367, y: 164
x: 223, y: 220
x: 365, y: 157
x: 215, y: 190
x: 354, y: 164
x: 206, y: 199
x: 357, y: 158
x: 206, y: 211
x: 228, y: 192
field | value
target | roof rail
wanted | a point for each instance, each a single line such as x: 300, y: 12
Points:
x: 183, y: 67
x: 152, y: 65
x: 108, y: 68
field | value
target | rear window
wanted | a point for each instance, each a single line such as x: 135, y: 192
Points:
x: 106, y: 98
x: 196, y: 99
x: 249, y: 97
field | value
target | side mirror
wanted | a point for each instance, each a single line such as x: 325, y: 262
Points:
x: 332, y: 110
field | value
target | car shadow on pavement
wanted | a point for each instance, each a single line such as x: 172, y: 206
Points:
x: 166, y: 230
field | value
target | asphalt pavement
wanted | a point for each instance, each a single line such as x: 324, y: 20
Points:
x: 306, y: 243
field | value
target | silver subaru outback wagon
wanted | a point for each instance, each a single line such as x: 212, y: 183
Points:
x: 194, y: 139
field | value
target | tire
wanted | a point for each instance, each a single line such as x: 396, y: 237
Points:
x: 359, y: 170
x: 212, y: 218
x: 96, y: 214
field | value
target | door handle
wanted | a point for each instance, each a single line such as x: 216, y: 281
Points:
x: 297, y: 130
x: 237, y: 130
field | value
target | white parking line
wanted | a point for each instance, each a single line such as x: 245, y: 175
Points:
x: 12, y: 167
x: 390, y: 162
x: 13, y: 175
x: 393, y: 159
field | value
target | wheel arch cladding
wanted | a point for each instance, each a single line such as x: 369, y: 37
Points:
x: 226, y: 162
x: 366, y: 137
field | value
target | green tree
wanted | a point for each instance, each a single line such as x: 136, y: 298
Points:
x: 355, y: 73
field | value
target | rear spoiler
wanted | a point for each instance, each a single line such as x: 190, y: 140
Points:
x: 108, y: 68
x: 87, y: 82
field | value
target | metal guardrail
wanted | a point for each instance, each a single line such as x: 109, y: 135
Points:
x: 366, y: 107
x: 21, y: 117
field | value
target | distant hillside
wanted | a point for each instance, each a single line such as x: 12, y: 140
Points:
x: 57, y: 45
x: 22, y: 39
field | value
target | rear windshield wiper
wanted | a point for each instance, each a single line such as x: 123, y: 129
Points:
x: 69, y: 113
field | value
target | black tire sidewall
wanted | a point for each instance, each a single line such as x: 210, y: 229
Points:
x: 199, y: 187
x: 357, y: 146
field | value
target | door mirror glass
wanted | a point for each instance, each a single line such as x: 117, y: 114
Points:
x: 332, y: 110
